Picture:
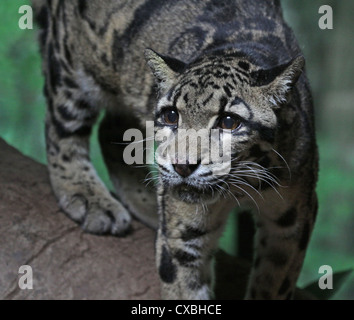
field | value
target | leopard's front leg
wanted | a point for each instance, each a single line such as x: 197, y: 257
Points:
x: 187, y: 239
x: 281, y: 241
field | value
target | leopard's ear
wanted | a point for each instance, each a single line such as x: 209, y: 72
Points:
x: 165, y: 69
x: 276, y: 83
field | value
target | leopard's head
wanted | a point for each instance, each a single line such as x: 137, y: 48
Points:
x: 215, y: 118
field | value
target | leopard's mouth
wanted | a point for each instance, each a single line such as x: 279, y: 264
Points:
x: 195, y: 195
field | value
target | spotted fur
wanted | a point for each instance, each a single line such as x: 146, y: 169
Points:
x: 207, y: 59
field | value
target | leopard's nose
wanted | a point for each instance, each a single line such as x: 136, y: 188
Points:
x: 185, y: 170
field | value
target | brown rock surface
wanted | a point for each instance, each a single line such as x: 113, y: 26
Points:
x: 66, y: 263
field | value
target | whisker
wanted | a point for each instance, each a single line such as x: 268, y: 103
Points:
x: 260, y: 176
x: 260, y: 170
x: 221, y: 190
x: 253, y: 170
x: 281, y: 157
x: 205, y: 208
x: 265, y: 180
x: 247, y: 184
x: 228, y: 191
x: 242, y: 190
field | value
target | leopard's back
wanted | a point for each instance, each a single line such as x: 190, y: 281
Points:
x: 106, y: 39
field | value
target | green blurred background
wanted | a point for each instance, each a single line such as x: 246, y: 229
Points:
x: 330, y: 67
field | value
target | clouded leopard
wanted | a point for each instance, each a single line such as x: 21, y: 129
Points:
x: 232, y: 66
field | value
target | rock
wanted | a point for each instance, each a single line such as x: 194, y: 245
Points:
x: 66, y: 263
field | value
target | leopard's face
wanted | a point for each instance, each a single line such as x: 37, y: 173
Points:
x: 213, y: 123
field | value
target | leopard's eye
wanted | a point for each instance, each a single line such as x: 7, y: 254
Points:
x: 170, y: 117
x: 229, y: 123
